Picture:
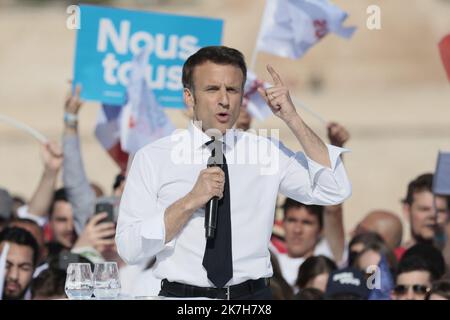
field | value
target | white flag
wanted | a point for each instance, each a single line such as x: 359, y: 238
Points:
x: 142, y: 119
x: 291, y: 27
x: 3, y: 257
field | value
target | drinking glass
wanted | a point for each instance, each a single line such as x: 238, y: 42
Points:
x: 79, y: 283
x: 106, y: 280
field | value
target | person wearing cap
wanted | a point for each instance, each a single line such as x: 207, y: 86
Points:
x: 347, y: 284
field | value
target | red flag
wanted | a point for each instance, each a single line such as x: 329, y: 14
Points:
x: 444, y: 48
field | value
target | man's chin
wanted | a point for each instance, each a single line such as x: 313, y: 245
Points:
x: 13, y: 295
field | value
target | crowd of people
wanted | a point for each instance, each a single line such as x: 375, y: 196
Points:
x: 312, y: 256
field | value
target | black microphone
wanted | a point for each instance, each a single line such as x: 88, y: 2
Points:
x: 211, y: 208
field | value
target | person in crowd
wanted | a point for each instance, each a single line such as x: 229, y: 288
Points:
x: 38, y: 207
x: 347, y: 284
x: 366, y: 250
x: 419, y: 267
x: 385, y: 223
x: 314, y: 273
x: 426, y: 213
x: 37, y: 232
x: 22, y: 254
x: 302, y: 226
x: 49, y: 285
x: 312, y: 230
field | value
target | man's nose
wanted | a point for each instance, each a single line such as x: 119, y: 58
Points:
x: 224, y: 100
x: 410, y: 294
x: 298, y: 228
x: 13, y: 273
x: 70, y: 226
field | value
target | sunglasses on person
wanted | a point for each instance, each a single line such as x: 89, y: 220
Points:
x: 417, y: 289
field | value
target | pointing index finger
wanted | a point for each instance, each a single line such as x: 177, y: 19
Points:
x: 275, y: 76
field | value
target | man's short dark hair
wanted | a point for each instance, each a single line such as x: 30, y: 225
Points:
x: 26, y: 221
x: 423, y: 257
x: 49, y: 283
x: 21, y: 237
x: 423, y: 182
x: 216, y: 54
x: 313, y: 209
x: 58, y: 195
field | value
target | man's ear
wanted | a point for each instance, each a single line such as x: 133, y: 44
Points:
x: 188, y: 97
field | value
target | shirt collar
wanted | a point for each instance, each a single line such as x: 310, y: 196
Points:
x: 200, y: 138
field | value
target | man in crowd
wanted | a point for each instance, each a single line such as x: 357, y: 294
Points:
x: 21, y: 260
x: 425, y: 212
x: 385, y: 223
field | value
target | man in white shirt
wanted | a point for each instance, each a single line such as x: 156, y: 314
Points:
x: 162, y: 208
x: 303, y: 225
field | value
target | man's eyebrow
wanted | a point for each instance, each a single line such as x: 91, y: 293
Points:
x: 25, y: 264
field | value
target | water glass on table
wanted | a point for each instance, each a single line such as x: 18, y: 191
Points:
x: 79, y: 281
x: 106, y: 280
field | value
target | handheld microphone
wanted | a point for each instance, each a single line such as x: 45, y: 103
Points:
x: 211, y: 208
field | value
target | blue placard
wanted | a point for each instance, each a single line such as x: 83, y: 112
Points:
x: 108, y: 39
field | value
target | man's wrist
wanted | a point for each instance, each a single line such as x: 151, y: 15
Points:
x: 293, y: 119
x: 70, y: 119
x: 50, y: 172
x: 189, y: 203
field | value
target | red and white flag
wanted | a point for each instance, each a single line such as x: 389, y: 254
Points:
x: 122, y: 130
x: 142, y: 119
x: 256, y: 105
x: 107, y: 131
x: 290, y: 27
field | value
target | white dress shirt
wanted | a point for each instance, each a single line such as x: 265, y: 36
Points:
x: 259, y: 167
x: 290, y: 266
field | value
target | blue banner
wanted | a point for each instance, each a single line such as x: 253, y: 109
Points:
x: 108, y: 39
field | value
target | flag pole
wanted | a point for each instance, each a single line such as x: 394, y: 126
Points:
x: 297, y: 102
x: 21, y: 126
x: 255, y: 49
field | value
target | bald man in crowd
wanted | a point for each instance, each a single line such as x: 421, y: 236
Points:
x: 385, y: 223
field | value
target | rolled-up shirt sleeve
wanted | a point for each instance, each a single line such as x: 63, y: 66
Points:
x: 309, y: 182
x: 140, y: 230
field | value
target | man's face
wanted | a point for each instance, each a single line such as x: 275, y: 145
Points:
x: 302, y: 231
x: 412, y: 285
x: 61, y: 224
x: 19, y: 270
x: 217, y: 95
x: 36, y: 232
x: 422, y: 216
